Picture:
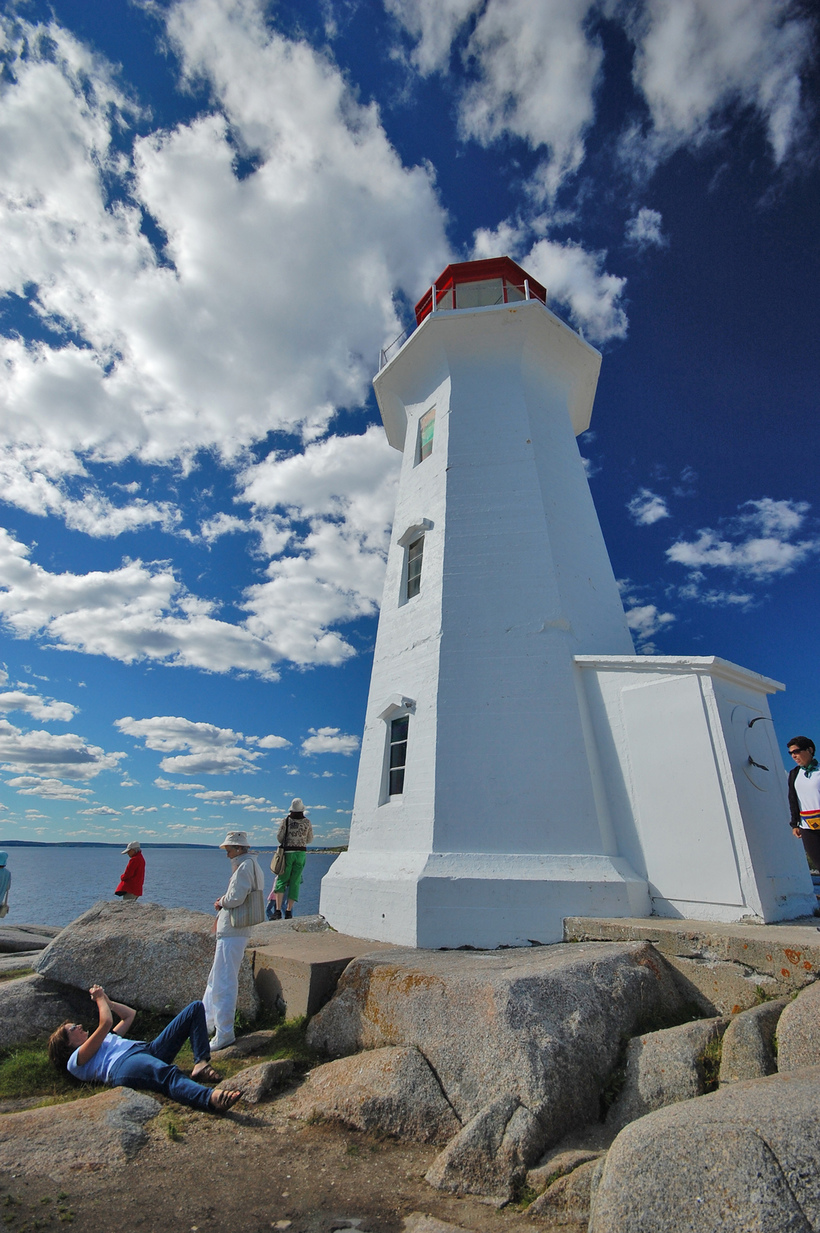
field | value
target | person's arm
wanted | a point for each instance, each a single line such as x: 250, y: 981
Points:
x: 309, y: 836
x: 126, y: 1016
x: 794, y: 802
x: 89, y: 1047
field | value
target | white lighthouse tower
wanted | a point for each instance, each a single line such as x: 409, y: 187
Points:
x: 497, y: 789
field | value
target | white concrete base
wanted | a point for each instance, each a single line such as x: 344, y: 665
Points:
x: 480, y: 899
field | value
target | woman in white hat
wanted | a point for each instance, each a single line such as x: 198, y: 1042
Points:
x: 232, y: 936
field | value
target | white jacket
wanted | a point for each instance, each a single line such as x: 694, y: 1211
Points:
x: 246, y: 876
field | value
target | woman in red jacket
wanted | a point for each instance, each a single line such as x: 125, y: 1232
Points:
x: 130, y: 887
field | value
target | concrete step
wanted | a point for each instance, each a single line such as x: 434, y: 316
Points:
x: 729, y: 966
x: 297, y: 973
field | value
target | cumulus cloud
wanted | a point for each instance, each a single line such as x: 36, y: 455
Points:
x: 695, y: 59
x: 644, y: 230
x: 98, y: 810
x: 142, y: 611
x: 43, y: 753
x: 49, y: 789
x: 211, y: 750
x: 329, y: 740
x: 22, y: 699
x: 536, y: 69
x: 759, y: 544
x: 228, y: 333
x: 576, y: 278
x: 647, y: 507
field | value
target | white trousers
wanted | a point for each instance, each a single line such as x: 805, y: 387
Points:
x: 223, y: 985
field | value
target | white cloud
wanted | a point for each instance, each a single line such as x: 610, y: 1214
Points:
x: 235, y: 331
x: 329, y: 740
x: 212, y: 750
x: 49, y: 789
x: 36, y: 706
x: 271, y: 742
x: 43, y: 753
x: 644, y: 229
x: 695, y: 59
x: 103, y: 810
x: 221, y: 524
x: 577, y: 278
x: 647, y: 507
x: 537, y: 66
x: 758, y: 557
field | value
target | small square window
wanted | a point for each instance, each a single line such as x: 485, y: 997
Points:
x: 427, y: 427
x: 414, y: 555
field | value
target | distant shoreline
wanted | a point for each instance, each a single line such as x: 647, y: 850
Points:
x: 213, y: 847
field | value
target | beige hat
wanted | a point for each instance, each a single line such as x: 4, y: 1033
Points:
x: 236, y: 839
x: 297, y: 805
x: 134, y: 846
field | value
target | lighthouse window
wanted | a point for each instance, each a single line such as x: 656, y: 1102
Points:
x: 398, y: 753
x: 480, y: 294
x: 427, y: 427
x: 414, y: 555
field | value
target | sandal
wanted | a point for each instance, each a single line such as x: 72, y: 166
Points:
x: 223, y: 1100
x: 204, y: 1072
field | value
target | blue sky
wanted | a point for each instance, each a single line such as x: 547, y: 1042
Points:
x: 212, y: 216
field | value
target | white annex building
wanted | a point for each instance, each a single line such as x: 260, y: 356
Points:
x: 519, y: 762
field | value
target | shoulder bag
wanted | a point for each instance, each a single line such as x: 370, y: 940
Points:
x: 252, y: 910
x: 278, y: 863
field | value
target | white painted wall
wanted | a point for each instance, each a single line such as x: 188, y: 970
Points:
x: 550, y: 771
x: 707, y: 829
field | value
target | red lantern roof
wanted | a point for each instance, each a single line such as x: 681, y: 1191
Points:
x: 476, y: 284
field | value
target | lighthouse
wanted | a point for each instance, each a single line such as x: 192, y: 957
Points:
x: 519, y: 763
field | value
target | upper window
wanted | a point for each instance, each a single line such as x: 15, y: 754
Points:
x: 427, y: 427
x: 398, y: 754
x: 415, y: 552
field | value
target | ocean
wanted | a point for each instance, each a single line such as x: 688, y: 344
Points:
x: 53, y: 886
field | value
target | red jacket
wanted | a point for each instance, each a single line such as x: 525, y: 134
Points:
x: 134, y: 876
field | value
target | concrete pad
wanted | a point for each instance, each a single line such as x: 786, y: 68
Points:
x: 299, y: 971
x: 788, y: 953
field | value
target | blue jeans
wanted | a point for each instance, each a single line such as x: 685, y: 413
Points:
x: 149, y: 1068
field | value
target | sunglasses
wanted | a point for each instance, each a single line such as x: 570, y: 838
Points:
x: 796, y: 752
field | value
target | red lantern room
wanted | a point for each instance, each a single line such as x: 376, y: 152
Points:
x: 479, y: 284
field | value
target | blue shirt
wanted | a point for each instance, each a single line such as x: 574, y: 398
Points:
x: 99, y: 1068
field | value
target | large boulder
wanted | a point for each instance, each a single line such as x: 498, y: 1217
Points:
x: 541, y: 1028
x: 740, y: 1160
x: 32, y: 1007
x: 392, y: 1091
x: 61, y: 1140
x: 798, y: 1031
x: 144, y: 955
x: 663, y: 1068
x: 748, y: 1046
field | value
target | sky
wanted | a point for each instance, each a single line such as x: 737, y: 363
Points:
x: 214, y: 213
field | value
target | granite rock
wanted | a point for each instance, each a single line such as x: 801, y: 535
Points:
x: 568, y: 1199
x: 144, y: 955
x: 31, y: 1008
x: 739, y: 1160
x: 392, y: 1091
x: 257, y: 1083
x: 748, y: 1045
x: 663, y: 1068
x: 798, y: 1031
x: 60, y: 1140
x: 492, y: 1153
x: 556, y: 1164
x: 543, y: 1025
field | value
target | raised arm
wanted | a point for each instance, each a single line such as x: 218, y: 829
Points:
x: 87, y: 1050
x: 126, y: 1017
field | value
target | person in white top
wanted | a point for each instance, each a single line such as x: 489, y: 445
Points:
x: 223, y: 981
x: 804, y: 796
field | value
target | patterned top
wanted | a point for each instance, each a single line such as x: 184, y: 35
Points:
x: 300, y: 832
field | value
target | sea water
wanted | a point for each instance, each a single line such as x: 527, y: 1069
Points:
x: 54, y: 885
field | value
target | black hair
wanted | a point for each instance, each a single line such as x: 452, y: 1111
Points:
x: 801, y: 742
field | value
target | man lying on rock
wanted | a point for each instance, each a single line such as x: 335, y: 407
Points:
x: 106, y: 1056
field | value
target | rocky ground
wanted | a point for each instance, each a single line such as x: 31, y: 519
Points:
x: 254, y: 1170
